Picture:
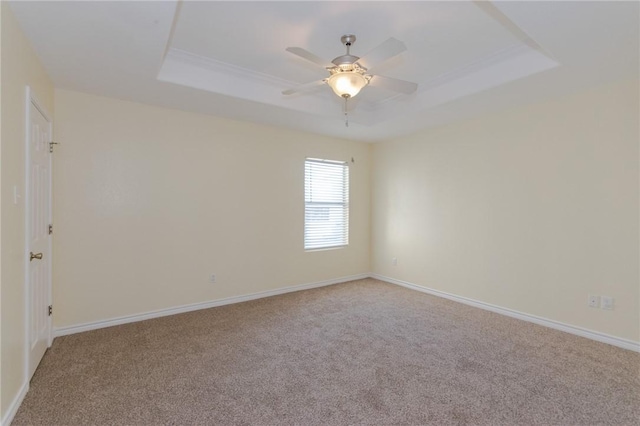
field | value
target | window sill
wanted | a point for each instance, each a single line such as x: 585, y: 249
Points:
x: 326, y: 248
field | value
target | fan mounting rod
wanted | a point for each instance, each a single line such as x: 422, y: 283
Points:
x: 348, y: 59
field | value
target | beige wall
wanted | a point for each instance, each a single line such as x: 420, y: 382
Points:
x: 20, y: 67
x: 531, y: 209
x: 148, y: 202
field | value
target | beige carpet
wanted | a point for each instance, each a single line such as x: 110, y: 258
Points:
x: 364, y: 352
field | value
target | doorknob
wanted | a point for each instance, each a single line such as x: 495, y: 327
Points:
x: 35, y: 256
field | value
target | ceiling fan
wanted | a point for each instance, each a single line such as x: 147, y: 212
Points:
x: 348, y: 74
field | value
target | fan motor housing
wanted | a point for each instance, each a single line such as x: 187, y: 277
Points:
x: 345, y: 60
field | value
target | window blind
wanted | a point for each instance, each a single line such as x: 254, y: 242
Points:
x: 326, y: 196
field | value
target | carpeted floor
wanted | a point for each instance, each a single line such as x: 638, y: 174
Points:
x: 363, y: 352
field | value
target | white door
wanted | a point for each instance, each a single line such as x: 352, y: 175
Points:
x: 38, y: 215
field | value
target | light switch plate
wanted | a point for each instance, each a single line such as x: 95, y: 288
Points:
x: 16, y: 194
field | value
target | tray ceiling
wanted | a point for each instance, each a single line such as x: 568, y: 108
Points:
x: 229, y: 58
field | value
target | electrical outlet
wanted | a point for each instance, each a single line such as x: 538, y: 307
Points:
x: 607, y: 303
x: 394, y: 261
x: 212, y: 278
x: 594, y: 301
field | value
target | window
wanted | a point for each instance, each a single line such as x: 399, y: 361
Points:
x: 326, y: 204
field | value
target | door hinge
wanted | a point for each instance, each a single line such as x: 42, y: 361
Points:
x: 51, y: 144
x: 50, y: 310
x: 50, y: 229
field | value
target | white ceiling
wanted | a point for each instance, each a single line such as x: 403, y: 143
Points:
x: 229, y: 58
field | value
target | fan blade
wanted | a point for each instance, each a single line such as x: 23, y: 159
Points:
x: 386, y: 50
x: 394, y: 84
x: 299, y: 51
x: 303, y: 87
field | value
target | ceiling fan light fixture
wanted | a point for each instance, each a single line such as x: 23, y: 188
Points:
x: 347, y: 76
x: 347, y: 84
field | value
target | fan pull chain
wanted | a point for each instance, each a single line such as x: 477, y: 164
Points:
x: 346, y: 115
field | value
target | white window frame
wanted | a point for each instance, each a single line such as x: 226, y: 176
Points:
x: 326, y: 196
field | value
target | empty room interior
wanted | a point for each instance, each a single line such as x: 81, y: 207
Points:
x: 319, y: 213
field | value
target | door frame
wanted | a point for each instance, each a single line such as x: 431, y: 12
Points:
x: 31, y: 99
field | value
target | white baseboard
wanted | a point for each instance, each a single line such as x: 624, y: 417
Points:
x: 15, y: 404
x: 63, y: 331
x: 589, y: 334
